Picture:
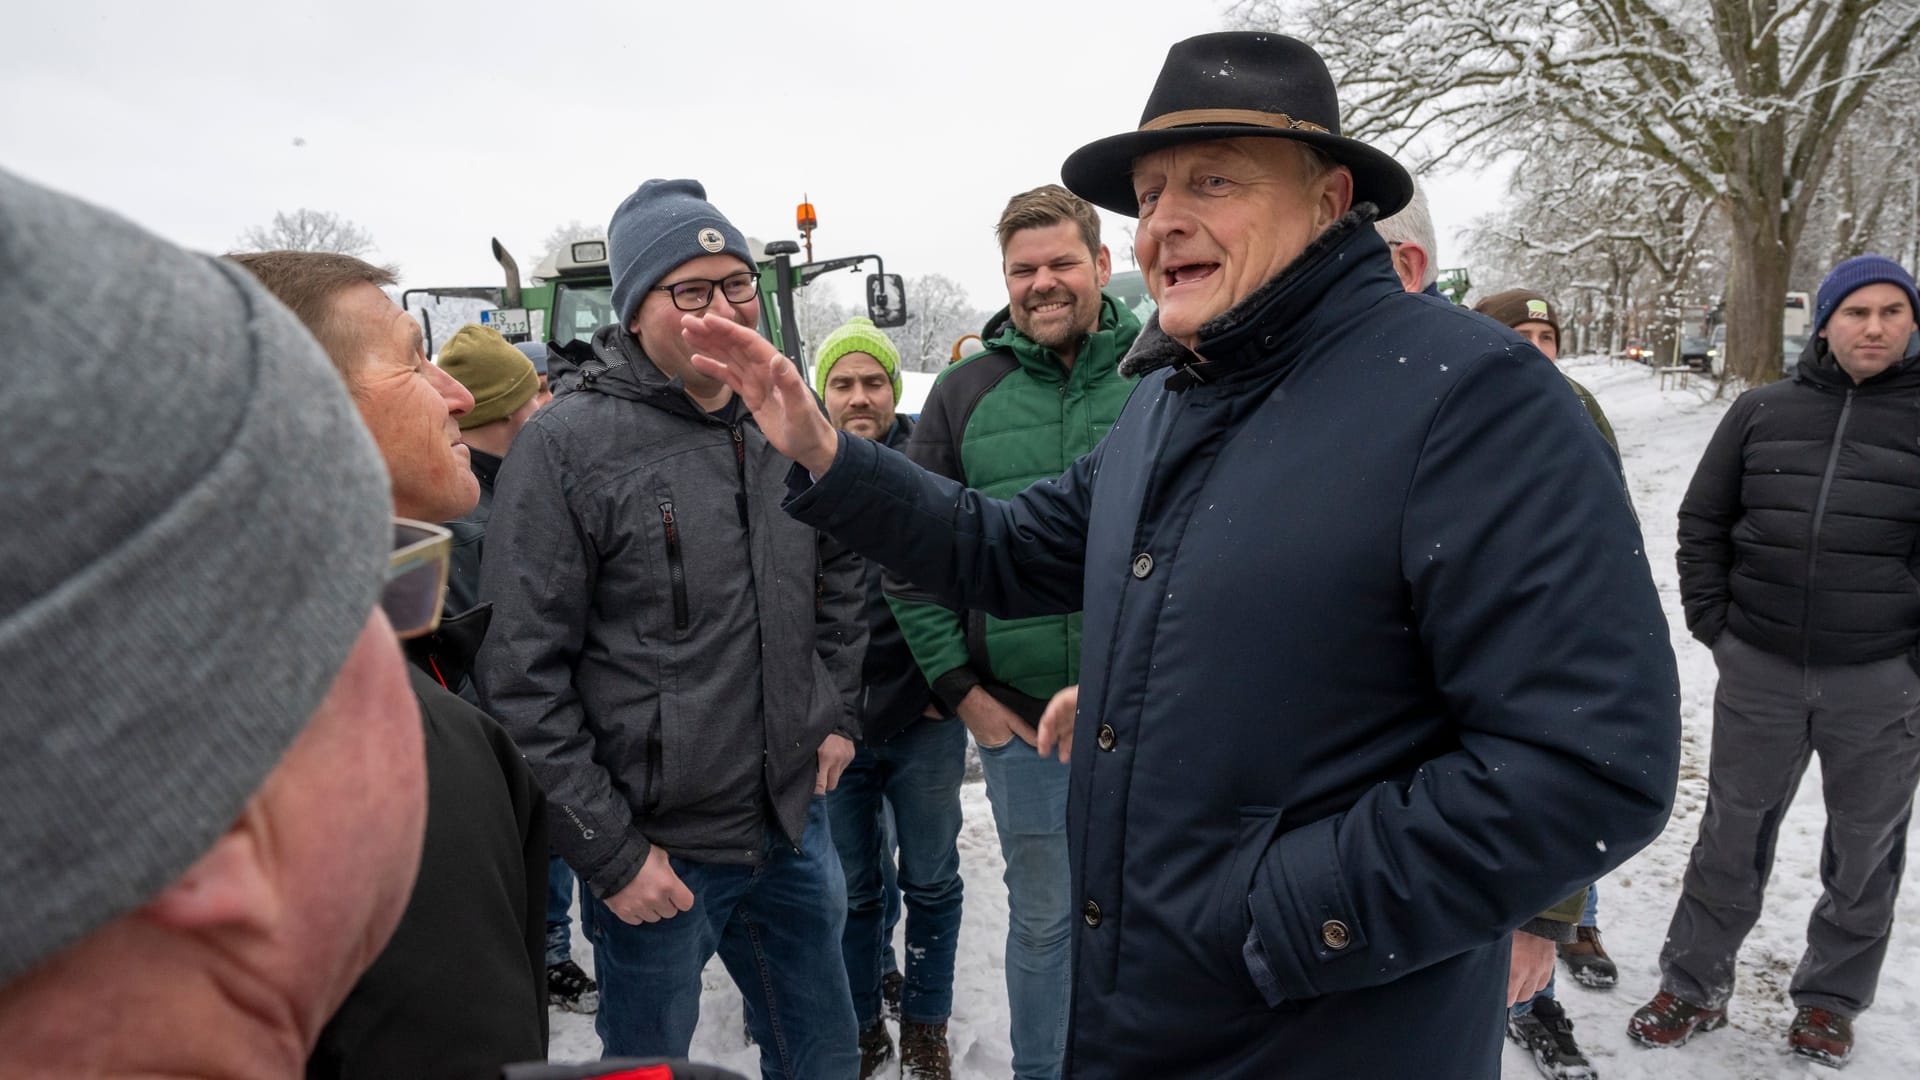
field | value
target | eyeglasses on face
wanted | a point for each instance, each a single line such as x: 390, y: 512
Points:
x: 416, y: 577
x: 696, y: 293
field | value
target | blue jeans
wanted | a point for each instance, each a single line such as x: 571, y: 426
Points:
x: 917, y: 774
x: 1028, y: 794
x: 776, y: 927
x: 559, y: 899
x: 1590, y: 916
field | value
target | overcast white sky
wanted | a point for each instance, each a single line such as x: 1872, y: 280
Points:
x: 437, y: 125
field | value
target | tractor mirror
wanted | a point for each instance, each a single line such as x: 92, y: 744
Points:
x: 886, y: 300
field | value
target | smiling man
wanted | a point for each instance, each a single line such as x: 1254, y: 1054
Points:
x: 680, y: 662
x: 1368, y: 627
x: 1042, y: 394
x: 1797, y: 540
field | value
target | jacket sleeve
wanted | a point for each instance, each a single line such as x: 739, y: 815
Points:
x: 1533, y: 601
x: 935, y: 633
x: 538, y: 570
x: 1708, y: 514
x: 840, y: 626
x: 1009, y: 557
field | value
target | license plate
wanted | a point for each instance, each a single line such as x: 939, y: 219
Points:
x: 511, y: 322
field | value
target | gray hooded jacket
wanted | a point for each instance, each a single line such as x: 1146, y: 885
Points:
x: 669, y: 649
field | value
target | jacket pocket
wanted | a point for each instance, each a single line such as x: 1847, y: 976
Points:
x: 1232, y: 918
x: 676, y: 569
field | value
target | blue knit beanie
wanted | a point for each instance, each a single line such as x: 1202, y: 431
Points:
x: 1858, y: 273
x: 660, y: 226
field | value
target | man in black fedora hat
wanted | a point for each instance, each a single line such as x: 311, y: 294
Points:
x: 1369, y: 628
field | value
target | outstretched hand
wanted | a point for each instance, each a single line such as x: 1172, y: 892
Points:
x: 769, y: 386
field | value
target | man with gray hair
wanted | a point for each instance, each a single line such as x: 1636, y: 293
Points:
x: 1410, y: 240
x: 212, y: 791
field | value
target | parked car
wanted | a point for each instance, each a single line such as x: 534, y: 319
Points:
x: 1717, y: 350
x: 1693, y: 352
x: 1791, y: 347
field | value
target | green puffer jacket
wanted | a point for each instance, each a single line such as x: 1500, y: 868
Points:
x: 998, y: 421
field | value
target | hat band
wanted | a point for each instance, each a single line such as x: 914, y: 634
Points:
x: 1230, y: 116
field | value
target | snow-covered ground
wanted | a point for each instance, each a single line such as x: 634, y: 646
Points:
x: 1662, y: 434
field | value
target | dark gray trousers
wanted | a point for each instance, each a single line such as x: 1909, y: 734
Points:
x: 1769, y: 714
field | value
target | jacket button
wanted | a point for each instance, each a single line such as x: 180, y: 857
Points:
x: 1106, y: 737
x: 1335, y: 934
x: 1091, y: 913
x: 1142, y: 565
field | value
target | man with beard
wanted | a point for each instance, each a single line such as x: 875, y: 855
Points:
x: 1042, y: 394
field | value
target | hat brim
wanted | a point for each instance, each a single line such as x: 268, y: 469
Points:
x: 1101, y: 172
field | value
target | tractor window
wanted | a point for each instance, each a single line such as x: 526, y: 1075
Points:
x: 579, y: 310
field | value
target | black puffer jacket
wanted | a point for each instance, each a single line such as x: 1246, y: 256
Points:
x: 1798, y: 532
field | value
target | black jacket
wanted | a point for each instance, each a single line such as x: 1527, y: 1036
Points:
x: 668, y: 649
x: 461, y: 988
x: 1373, y: 671
x: 1799, y: 530
x: 469, y: 536
x: 893, y: 692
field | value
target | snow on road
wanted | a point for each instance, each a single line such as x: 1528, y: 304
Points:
x: 1662, y: 433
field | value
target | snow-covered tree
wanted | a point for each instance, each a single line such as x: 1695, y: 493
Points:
x: 1745, y: 101
x: 939, y: 312
x: 308, y: 230
x: 571, y: 232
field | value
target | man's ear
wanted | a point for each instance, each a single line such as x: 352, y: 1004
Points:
x: 227, y: 886
x: 1336, y: 197
x: 1103, y: 262
x: 1415, y: 257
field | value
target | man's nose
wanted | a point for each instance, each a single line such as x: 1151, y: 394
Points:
x: 459, y: 400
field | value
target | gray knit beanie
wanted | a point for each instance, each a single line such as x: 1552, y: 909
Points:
x: 197, y: 526
x: 660, y: 226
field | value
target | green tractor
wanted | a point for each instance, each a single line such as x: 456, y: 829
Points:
x: 572, y: 295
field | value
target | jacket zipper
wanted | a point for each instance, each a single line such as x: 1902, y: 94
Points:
x: 676, y: 573
x: 1813, y: 541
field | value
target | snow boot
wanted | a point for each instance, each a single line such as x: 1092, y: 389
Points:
x: 1587, y: 960
x: 1547, y: 1034
x: 876, y: 1050
x: 572, y: 989
x: 1821, y: 1036
x: 890, y: 986
x: 923, y: 1052
x: 1669, y: 1021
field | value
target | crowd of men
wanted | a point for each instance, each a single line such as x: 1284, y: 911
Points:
x: 1305, y: 632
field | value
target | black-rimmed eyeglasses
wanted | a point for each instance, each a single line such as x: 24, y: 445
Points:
x: 696, y: 293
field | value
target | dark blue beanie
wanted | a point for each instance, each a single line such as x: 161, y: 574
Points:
x: 660, y: 226
x: 1858, y: 273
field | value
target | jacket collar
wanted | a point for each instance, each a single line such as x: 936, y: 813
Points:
x: 1117, y: 328
x: 485, y: 467
x: 1273, y: 319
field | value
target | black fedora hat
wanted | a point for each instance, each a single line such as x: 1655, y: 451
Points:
x: 1230, y: 86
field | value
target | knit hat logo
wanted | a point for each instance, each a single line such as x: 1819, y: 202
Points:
x: 1537, y: 309
x: 712, y: 241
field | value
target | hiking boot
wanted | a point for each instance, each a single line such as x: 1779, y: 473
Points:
x: 1587, y: 960
x: 1823, y: 1036
x: 1547, y: 1034
x: 876, y: 1050
x: 571, y: 989
x: 890, y: 985
x: 923, y: 1052
x: 1669, y: 1021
